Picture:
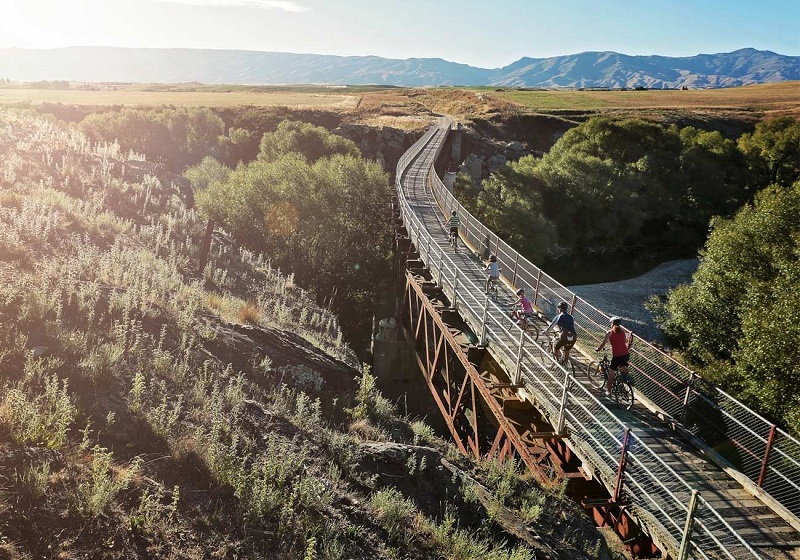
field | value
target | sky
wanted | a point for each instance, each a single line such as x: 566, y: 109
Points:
x: 487, y: 34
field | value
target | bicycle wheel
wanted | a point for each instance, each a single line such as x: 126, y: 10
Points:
x: 594, y: 373
x: 623, y: 393
x: 531, y: 330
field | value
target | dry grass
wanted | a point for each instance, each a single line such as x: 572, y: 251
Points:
x: 249, y: 313
x: 298, y: 100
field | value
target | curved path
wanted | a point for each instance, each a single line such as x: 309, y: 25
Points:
x: 662, y: 469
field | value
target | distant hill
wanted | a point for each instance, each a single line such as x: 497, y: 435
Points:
x: 589, y: 69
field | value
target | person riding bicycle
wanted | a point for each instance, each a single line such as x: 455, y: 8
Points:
x: 454, y: 223
x: 526, y: 308
x: 493, y: 269
x: 620, y: 351
x: 566, y: 323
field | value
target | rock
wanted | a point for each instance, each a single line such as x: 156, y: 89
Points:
x: 516, y: 146
x: 473, y: 166
x: 495, y: 163
x: 39, y: 351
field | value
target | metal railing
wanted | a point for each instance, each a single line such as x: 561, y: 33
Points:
x: 656, y: 493
x: 766, y: 454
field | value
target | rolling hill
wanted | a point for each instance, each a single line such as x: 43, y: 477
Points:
x: 588, y: 69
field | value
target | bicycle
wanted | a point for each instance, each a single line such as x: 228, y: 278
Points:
x: 453, y: 240
x: 491, y: 285
x: 567, y: 363
x: 525, y: 322
x: 621, y: 388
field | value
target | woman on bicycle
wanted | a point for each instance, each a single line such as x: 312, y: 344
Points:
x: 526, y: 308
x: 566, y: 324
x: 620, y: 350
x: 493, y: 269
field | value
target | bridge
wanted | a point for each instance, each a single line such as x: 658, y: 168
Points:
x: 688, y: 472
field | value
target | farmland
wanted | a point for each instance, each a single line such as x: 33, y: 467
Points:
x: 191, y: 98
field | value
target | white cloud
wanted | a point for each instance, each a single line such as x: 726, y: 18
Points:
x: 283, y: 5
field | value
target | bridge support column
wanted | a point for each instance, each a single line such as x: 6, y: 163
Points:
x: 395, y: 368
x: 455, y: 150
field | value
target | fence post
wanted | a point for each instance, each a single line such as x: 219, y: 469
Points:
x: 428, y: 253
x: 683, y: 553
x: 770, y: 441
x: 483, y: 323
x: 516, y: 261
x: 206, y: 248
x: 455, y: 290
x: 441, y: 269
x: 563, y: 409
x: 497, y: 245
x: 518, y: 373
x: 687, y: 397
x: 572, y: 306
x: 621, y: 469
x: 536, y: 292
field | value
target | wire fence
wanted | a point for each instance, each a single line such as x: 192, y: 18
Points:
x: 655, y: 492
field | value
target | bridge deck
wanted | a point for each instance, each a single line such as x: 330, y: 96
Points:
x: 657, y: 450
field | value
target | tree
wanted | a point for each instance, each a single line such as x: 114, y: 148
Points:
x: 177, y: 136
x: 608, y: 184
x: 208, y: 172
x: 743, y: 306
x: 773, y: 151
x: 313, y: 142
x: 510, y: 204
x: 326, y: 222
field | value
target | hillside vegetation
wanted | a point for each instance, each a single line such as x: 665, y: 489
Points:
x: 151, y: 411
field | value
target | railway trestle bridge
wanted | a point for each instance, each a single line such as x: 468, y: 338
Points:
x: 688, y: 472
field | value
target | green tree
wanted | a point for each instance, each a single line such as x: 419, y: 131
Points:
x: 610, y: 184
x: 714, y: 173
x: 177, y: 136
x: 510, y: 204
x: 743, y: 305
x: 208, y: 172
x: 313, y: 142
x: 326, y: 222
x: 773, y: 151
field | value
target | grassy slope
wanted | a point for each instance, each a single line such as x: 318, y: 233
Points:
x: 146, y: 411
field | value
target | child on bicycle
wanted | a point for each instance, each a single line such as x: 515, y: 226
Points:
x: 493, y: 269
x: 620, y: 351
x: 454, y: 223
x: 525, y: 310
x: 566, y: 324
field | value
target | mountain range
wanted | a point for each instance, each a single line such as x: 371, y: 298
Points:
x: 588, y: 69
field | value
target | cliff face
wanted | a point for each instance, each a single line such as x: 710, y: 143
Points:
x: 385, y: 144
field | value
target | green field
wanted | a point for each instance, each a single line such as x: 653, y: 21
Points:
x: 782, y: 96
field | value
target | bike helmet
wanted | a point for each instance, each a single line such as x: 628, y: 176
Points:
x: 493, y: 258
x: 453, y: 213
x: 616, y: 320
x: 520, y: 292
x: 563, y: 306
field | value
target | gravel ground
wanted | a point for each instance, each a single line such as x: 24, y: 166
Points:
x: 626, y: 298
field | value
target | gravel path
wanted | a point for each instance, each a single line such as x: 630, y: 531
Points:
x: 626, y: 298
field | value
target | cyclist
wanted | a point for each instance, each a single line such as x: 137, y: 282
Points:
x: 566, y: 323
x: 454, y: 223
x: 620, y: 351
x: 526, y: 308
x: 493, y: 269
